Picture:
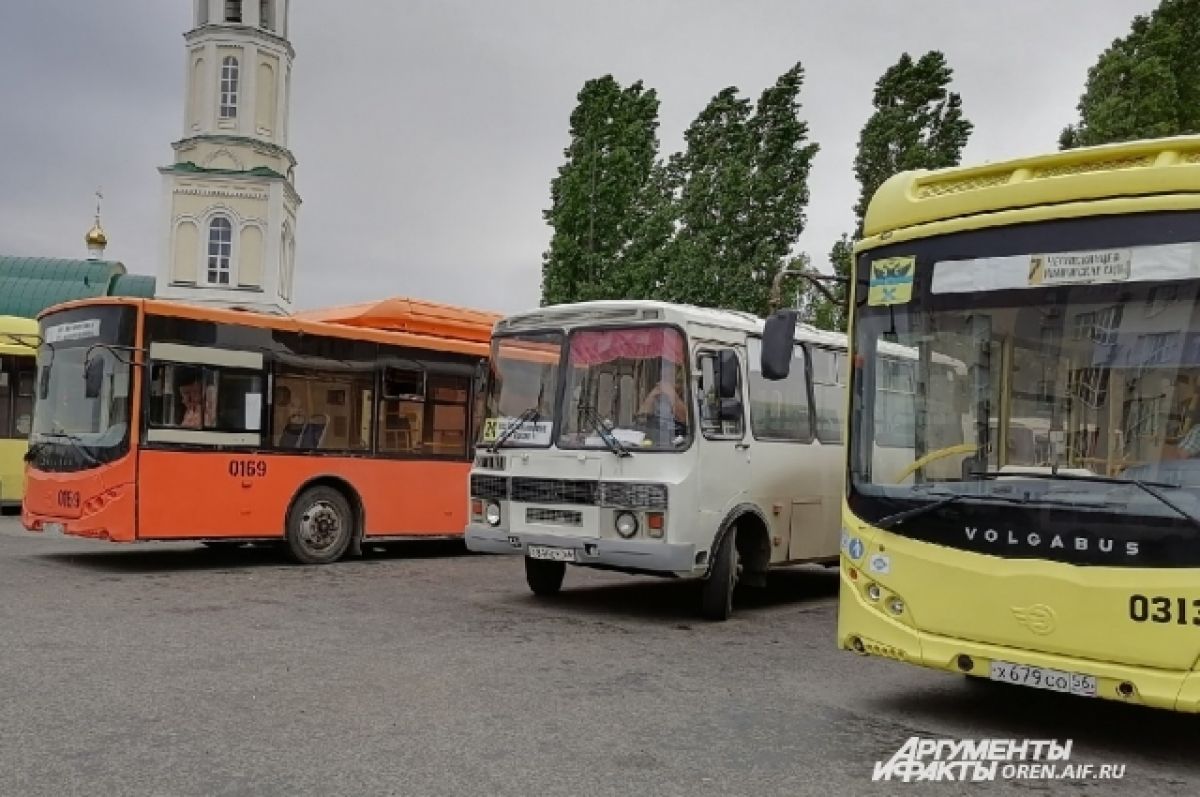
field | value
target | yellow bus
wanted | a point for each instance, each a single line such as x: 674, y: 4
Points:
x: 18, y: 353
x: 1056, y: 544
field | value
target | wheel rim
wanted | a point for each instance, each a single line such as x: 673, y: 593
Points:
x: 320, y: 526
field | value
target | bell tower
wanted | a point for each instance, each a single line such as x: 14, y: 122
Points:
x: 230, y: 236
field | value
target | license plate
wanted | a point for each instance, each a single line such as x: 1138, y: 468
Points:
x: 56, y: 529
x: 553, y: 554
x: 1074, y: 683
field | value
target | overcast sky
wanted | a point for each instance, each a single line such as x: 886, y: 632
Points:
x: 427, y: 131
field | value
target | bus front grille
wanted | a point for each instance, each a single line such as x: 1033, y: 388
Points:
x: 555, y: 491
x: 484, y: 486
x: 553, y: 517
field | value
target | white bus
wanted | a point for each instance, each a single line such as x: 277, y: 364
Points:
x: 641, y: 437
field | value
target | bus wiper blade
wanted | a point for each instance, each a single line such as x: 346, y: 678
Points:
x: 610, y: 441
x: 525, y: 417
x: 1150, y: 488
x: 76, y: 443
x: 891, y: 521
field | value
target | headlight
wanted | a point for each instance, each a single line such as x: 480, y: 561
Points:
x: 873, y: 592
x: 492, y: 514
x: 896, y: 606
x: 627, y: 525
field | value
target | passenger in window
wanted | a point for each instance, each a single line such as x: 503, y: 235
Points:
x: 191, y: 393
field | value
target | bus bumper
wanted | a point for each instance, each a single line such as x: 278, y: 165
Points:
x: 864, y: 628
x: 636, y: 555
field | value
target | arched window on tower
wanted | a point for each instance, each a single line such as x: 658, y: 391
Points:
x: 266, y: 14
x: 229, y: 87
x: 220, y: 250
x: 233, y: 10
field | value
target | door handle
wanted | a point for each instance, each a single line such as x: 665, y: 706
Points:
x: 742, y: 446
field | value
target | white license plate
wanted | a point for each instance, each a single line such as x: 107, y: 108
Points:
x: 553, y: 554
x: 56, y: 529
x: 1074, y: 683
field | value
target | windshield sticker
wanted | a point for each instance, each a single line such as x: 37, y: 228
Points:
x: 76, y: 330
x: 855, y: 548
x: 535, y: 433
x: 1076, y: 268
x: 891, y: 281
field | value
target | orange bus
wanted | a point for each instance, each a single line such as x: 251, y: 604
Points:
x: 162, y: 421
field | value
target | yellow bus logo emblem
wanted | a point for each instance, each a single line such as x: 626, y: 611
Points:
x: 1038, y: 618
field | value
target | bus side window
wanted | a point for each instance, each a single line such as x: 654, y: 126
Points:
x: 201, y: 397
x: 779, y: 409
x: 712, y: 424
x: 828, y: 385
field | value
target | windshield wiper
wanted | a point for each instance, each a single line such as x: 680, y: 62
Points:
x: 610, y: 441
x: 74, y: 440
x: 525, y: 417
x: 1150, y: 488
x: 896, y: 519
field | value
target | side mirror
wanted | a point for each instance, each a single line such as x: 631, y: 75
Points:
x: 778, y: 342
x: 727, y: 374
x: 729, y: 410
x: 44, y: 383
x: 93, y: 378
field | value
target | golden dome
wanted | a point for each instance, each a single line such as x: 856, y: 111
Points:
x: 96, y: 236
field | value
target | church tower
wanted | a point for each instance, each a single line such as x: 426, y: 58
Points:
x: 230, y: 194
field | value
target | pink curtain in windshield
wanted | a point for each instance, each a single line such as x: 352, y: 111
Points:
x: 598, y: 346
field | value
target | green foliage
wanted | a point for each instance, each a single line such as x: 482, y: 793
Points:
x: 598, y: 198
x: 917, y: 123
x: 1145, y: 85
x: 710, y: 226
x: 742, y: 188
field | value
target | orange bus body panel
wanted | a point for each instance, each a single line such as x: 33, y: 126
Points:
x: 195, y: 495
x: 99, y: 503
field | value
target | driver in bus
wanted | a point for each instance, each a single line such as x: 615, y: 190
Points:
x: 663, y: 400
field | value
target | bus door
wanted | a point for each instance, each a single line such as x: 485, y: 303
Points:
x: 724, y: 440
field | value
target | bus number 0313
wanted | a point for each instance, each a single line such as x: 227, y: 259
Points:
x: 247, y: 468
x: 1161, y: 609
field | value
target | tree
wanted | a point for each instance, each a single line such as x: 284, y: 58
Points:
x: 742, y: 186
x: 598, y: 197
x: 1145, y: 85
x: 917, y: 123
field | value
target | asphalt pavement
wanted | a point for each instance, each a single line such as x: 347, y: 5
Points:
x: 423, y: 670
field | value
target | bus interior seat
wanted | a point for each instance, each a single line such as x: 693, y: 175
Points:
x: 314, y: 431
x: 290, y: 437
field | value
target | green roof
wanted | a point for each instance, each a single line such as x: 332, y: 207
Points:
x: 138, y: 285
x: 28, y: 285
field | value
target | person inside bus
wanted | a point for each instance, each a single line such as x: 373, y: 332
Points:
x: 196, y: 411
x: 664, y: 409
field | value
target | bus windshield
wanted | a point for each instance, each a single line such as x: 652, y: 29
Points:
x: 522, y: 389
x: 72, y: 429
x: 630, y: 382
x: 1004, y: 360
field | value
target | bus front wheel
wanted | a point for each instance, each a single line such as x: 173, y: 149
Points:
x: 716, y: 593
x: 320, y: 526
x: 544, y: 577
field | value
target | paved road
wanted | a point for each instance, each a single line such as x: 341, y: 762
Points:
x: 171, y: 670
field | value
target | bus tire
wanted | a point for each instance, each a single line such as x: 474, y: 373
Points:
x: 716, y: 592
x: 320, y: 526
x: 544, y: 577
